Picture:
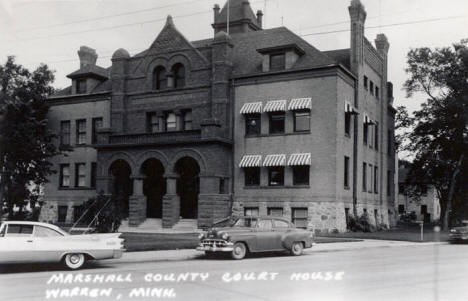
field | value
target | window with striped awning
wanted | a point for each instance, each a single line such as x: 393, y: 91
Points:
x: 275, y: 106
x: 368, y: 120
x: 251, y: 161
x: 299, y: 159
x: 275, y: 160
x: 251, y: 108
x: 300, y: 104
x: 349, y: 108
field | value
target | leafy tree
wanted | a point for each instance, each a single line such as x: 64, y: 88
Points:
x: 438, y: 140
x: 25, y: 142
x: 104, y: 213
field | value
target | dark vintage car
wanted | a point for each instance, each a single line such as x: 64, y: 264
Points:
x: 256, y: 234
x: 459, y: 234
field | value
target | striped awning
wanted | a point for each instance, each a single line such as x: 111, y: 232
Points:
x: 349, y: 108
x: 300, y: 104
x: 274, y: 160
x: 275, y: 106
x: 251, y: 108
x: 299, y: 159
x: 251, y: 161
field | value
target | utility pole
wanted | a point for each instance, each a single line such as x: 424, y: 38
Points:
x: 228, y: 15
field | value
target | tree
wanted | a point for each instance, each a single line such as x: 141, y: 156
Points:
x: 25, y: 141
x: 438, y: 139
x: 104, y: 213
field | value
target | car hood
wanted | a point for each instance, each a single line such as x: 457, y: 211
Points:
x: 216, y: 232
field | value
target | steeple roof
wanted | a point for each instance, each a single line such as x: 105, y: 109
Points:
x: 240, y: 14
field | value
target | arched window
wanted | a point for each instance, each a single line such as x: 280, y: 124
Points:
x: 179, y: 75
x: 159, y: 78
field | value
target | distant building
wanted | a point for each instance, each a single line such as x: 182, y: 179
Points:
x: 425, y: 208
x: 257, y: 121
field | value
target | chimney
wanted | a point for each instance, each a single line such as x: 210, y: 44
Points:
x: 260, y: 18
x: 358, y: 16
x: 88, y: 56
x: 381, y: 42
x: 216, y: 12
x: 245, y: 8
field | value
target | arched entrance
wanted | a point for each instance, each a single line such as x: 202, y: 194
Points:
x: 154, y: 187
x: 122, y: 184
x: 188, y: 186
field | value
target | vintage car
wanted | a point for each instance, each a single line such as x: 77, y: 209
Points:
x: 31, y: 242
x: 459, y: 234
x: 256, y: 234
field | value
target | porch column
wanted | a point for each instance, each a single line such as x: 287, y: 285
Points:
x: 137, y: 203
x: 171, y: 202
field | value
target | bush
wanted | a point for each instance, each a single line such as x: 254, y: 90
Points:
x: 360, y: 224
x: 109, y: 212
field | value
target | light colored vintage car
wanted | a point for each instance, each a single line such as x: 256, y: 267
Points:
x: 256, y: 234
x: 31, y: 242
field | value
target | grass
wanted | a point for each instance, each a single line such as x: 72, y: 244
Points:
x: 135, y: 242
x: 402, y: 233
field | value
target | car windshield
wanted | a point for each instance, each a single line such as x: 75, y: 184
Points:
x: 246, y: 222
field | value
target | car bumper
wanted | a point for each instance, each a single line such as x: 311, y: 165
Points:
x: 458, y: 236
x: 206, y: 248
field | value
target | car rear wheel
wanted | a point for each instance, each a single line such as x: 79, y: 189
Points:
x: 74, y: 260
x: 297, y: 248
x: 239, y: 250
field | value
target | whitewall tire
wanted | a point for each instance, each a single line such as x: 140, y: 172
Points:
x: 74, y: 260
x: 297, y: 248
x: 239, y: 251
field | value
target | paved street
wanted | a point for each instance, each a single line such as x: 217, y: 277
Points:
x: 369, y: 270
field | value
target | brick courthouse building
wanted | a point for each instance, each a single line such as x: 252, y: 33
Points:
x: 254, y: 122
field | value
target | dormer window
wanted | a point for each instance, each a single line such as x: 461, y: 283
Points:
x: 179, y: 75
x: 80, y: 86
x: 277, y: 61
x: 159, y: 78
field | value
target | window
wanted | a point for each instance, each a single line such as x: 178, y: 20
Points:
x: 300, y: 175
x: 80, y: 175
x: 265, y: 224
x: 251, y: 211
x: 301, y: 121
x: 376, y: 136
x: 389, y: 142
x: 179, y: 75
x: 276, y: 176
x: 299, y: 217
x: 365, y: 133
x: 77, y: 213
x: 64, y: 175
x: 152, y: 122
x: 366, y: 82
x: 377, y: 92
x: 346, y: 211
x: 401, y: 209
x: 364, y: 177
x: 188, y: 121
x: 171, y: 122
x: 423, y: 209
x: 277, y: 62
x: 376, y: 179
x: 371, y: 87
x: 45, y: 232
x: 65, y: 132
x: 81, y: 131
x: 275, y: 212
x: 371, y: 180
x: 159, y: 78
x: 277, y: 123
x: 347, y: 125
x: 346, y: 172
x: 62, y: 214
x: 252, y: 176
x: 281, y: 224
x: 389, y: 183
x: 253, y: 125
x: 401, y: 188
x: 97, y: 124
x: 80, y: 86
x: 376, y: 216
x: 222, y: 186
x: 93, y: 174
x: 19, y: 230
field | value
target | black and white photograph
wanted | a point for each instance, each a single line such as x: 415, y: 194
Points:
x: 255, y: 150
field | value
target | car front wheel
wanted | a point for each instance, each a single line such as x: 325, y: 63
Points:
x: 297, y: 248
x: 239, y: 250
x: 74, y: 260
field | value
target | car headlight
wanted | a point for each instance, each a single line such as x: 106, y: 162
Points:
x: 225, y: 236
x: 453, y: 231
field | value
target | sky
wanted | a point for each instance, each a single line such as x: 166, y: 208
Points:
x: 51, y: 31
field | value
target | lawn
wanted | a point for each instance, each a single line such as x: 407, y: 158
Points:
x: 403, y: 233
x: 155, y: 241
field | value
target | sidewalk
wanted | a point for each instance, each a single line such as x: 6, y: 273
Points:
x: 177, y: 255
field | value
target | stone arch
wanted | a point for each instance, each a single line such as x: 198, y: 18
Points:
x: 152, y: 154
x: 121, y: 156
x: 159, y: 61
x: 184, y: 60
x: 188, y: 152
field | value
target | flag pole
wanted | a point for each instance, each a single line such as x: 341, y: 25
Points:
x: 228, y: 16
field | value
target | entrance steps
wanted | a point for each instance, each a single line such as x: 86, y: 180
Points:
x: 154, y: 225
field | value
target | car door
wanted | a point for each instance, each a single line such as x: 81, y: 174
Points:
x: 266, y: 237
x: 16, y: 246
x: 281, y: 229
x: 48, y: 244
